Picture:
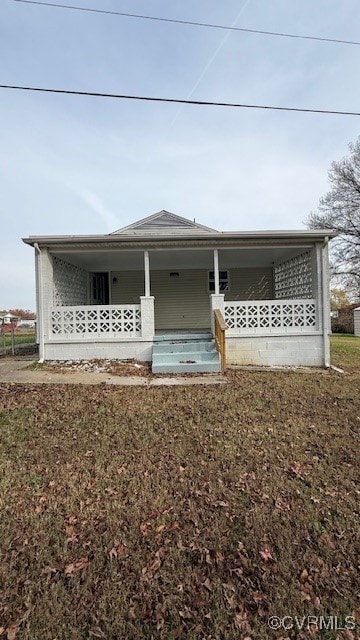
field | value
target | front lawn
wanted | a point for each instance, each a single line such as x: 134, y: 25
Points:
x: 345, y: 351
x: 181, y: 512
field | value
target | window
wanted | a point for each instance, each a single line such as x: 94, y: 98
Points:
x: 224, y: 284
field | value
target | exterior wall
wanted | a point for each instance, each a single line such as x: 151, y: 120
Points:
x: 128, y: 288
x: 139, y: 350
x: 276, y: 351
x: 181, y: 302
x: 250, y: 284
x: 357, y: 321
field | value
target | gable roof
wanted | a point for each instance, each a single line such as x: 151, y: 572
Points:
x: 163, y: 222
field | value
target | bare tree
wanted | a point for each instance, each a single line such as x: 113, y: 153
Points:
x: 339, y: 210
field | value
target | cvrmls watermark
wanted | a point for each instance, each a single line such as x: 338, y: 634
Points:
x: 306, y: 623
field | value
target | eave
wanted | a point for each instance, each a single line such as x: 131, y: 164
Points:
x: 208, y: 240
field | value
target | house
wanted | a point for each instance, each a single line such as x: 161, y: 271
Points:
x: 9, y: 319
x: 150, y: 290
x: 357, y: 321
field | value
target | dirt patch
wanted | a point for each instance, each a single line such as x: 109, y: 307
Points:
x: 113, y: 367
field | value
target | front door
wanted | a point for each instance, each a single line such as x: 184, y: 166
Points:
x: 99, y: 288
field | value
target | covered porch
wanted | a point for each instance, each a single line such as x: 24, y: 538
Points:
x: 114, y: 303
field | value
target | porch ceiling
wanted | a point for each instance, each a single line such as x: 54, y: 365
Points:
x: 177, y: 259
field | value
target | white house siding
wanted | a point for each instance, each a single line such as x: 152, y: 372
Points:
x: 181, y: 301
x: 276, y: 351
x: 250, y: 284
x: 357, y: 321
x: 128, y: 288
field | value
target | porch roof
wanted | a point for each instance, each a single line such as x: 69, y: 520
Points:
x: 210, y: 239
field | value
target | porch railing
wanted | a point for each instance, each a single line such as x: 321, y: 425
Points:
x: 94, y: 321
x: 256, y: 317
x: 220, y: 341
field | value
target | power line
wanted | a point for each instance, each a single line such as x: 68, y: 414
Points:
x: 191, y: 23
x: 206, y: 103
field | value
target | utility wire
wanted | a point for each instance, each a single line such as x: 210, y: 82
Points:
x: 191, y: 23
x: 206, y: 103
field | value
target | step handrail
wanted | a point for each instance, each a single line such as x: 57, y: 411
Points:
x: 220, y: 341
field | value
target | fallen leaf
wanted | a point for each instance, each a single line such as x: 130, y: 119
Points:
x: 207, y: 584
x: 12, y: 631
x: 78, y: 565
x: 160, y: 528
x: 97, y: 633
x: 346, y: 634
x: 257, y: 597
x: 304, y: 575
x: 280, y: 505
x: 144, y: 528
x: 266, y: 554
x: 326, y: 540
x: 241, y: 621
x: 296, y: 469
x: 118, y: 550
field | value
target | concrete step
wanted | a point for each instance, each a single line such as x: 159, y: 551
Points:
x: 187, y: 357
x: 186, y: 367
x: 180, y: 347
x: 184, y: 353
x: 183, y: 337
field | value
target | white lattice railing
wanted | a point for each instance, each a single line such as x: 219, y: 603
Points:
x: 96, y: 321
x: 270, y: 316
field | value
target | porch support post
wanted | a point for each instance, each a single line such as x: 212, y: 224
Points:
x: 147, y: 317
x: 216, y: 302
x: 45, y: 278
x: 147, y: 305
x: 147, y: 273
x: 216, y: 272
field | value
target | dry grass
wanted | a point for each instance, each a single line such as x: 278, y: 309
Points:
x: 20, y: 337
x: 180, y: 512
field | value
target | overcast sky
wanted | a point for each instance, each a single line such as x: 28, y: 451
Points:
x: 77, y: 165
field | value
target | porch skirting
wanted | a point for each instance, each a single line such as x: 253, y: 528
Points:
x: 93, y: 350
x: 280, y: 350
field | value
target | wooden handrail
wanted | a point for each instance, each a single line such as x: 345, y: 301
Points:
x: 220, y: 341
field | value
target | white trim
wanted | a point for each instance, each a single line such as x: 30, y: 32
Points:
x: 147, y: 274
x: 216, y: 273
